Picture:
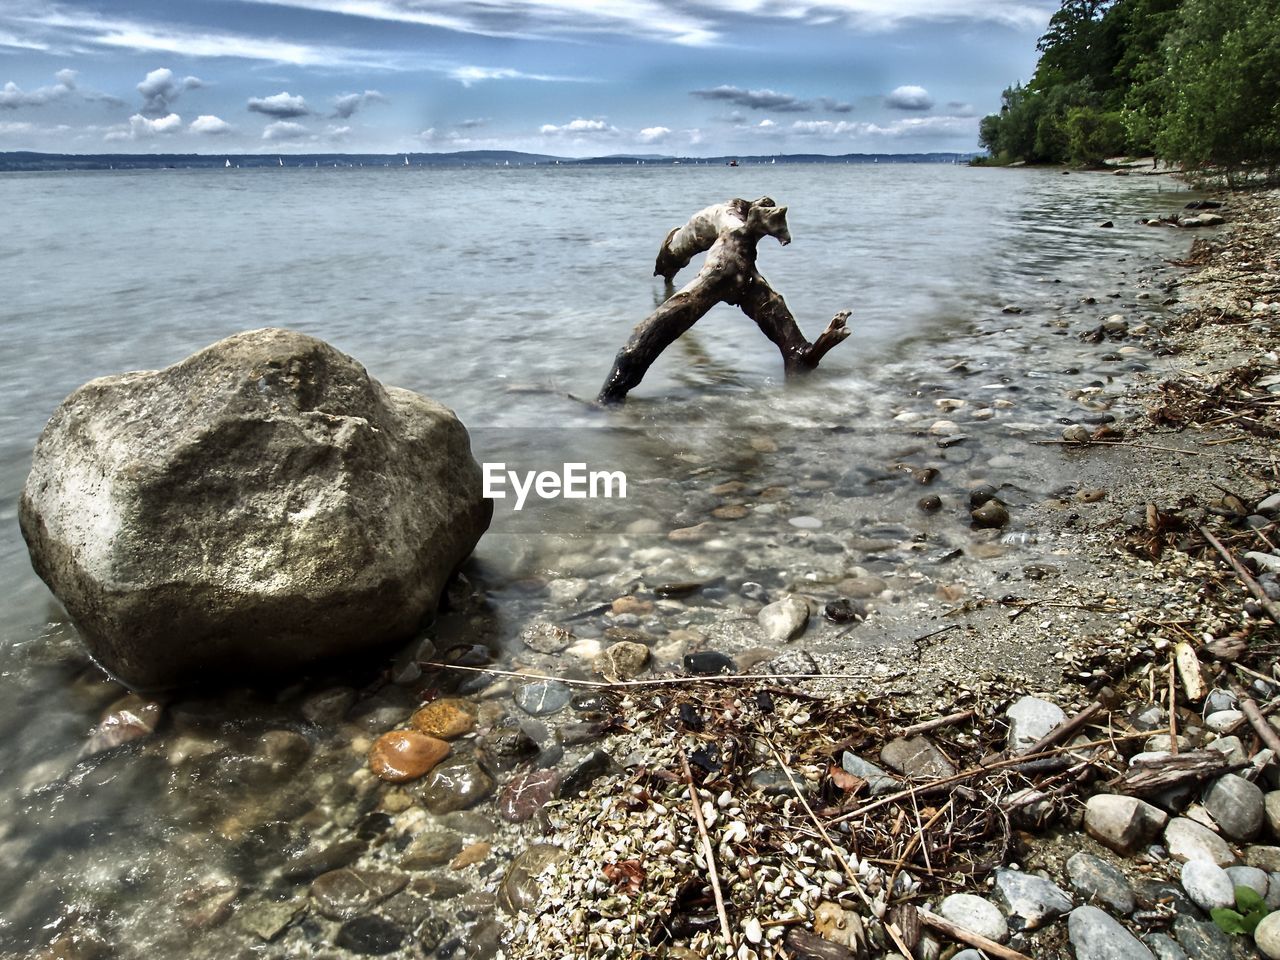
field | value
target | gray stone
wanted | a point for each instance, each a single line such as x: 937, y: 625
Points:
x: 1264, y: 858
x: 917, y: 758
x: 975, y: 915
x: 1251, y: 877
x: 371, y: 936
x: 1271, y: 809
x: 1236, y: 806
x: 784, y: 619
x: 1231, y: 747
x: 1207, y: 884
x: 1029, y: 720
x: 1203, y: 940
x: 623, y: 660
x: 1097, y: 881
x: 565, y: 591
x: 1095, y: 935
x: 1122, y: 823
x: 258, y: 506
x: 1267, y: 936
x: 1270, y: 506
x: 1218, y: 699
x: 1187, y: 840
x: 455, y: 785
x: 267, y: 919
x: 878, y: 780
x: 1164, y: 947
x: 1032, y: 901
x: 542, y: 698
x: 1220, y: 720
x: 992, y: 514
x: 545, y: 637
x: 1265, y: 562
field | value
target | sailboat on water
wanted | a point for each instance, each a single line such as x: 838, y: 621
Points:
x: 227, y: 165
x: 406, y: 160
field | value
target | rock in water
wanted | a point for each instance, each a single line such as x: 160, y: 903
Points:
x: 262, y: 504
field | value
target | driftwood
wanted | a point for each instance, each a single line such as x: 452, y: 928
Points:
x: 1145, y: 777
x: 728, y: 232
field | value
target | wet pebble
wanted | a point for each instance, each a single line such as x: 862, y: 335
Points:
x: 707, y: 663
x: 431, y: 849
x: 591, y: 768
x: 566, y: 591
x: 345, y: 894
x: 521, y: 889
x: 697, y: 533
x: 844, y: 611
x: 545, y: 637
x: 446, y: 719
x: 526, y: 794
x: 542, y: 697
x: 130, y: 718
x: 371, y: 936
x: 456, y: 785
x: 992, y: 514
x: 404, y: 755
x: 930, y: 504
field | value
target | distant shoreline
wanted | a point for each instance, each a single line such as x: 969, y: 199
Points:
x: 29, y: 161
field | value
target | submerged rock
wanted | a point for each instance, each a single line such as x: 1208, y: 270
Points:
x: 260, y: 505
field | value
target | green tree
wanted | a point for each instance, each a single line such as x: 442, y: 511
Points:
x: 1093, y: 135
x: 1222, y: 86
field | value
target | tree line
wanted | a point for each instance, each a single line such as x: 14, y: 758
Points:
x: 1194, y: 82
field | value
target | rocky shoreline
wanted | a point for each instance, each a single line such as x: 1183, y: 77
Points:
x: 812, y: 624
x: 890, y: 814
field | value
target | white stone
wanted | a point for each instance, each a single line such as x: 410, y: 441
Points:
x: 1220, y: 720
x: 1267, y: 937
x: 784, y: 619
x: 1096, y: 935
x: 1251, y: 877
x: 975, y: 915
x: 1207, y: 884
x: 1187, y: 840
x: 1030, y: 719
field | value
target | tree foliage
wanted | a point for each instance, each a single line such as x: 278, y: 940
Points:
x: 1197, y: 81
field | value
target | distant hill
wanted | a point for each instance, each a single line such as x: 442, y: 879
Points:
x: 30, y: 161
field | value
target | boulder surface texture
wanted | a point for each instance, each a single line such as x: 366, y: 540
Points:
x: 260, y: 505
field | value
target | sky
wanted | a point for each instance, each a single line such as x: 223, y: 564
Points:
x: 572, y: 78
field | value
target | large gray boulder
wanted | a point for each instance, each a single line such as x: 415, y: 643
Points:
x: 260, y: 505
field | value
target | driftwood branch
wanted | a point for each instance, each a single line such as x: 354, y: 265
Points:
x: 728, y: 233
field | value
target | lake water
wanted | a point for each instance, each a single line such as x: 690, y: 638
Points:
x: 504, y: 293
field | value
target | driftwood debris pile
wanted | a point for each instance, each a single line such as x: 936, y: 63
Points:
x: 728, y: 233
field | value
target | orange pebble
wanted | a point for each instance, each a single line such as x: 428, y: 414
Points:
x: 403, y: 755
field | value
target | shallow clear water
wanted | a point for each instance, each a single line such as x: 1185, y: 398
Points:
x: 504, y: 293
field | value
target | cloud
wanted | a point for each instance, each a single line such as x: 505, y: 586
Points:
x: 159, y: 90
x: 653, y: 134
x: 909, y: 98
x: 770, y: 100
x: 12, y: 96
x: 141, y: 128
x: 903, y: 128
x: 827, y: 128
x: 688, y: 24
x: 284, y: 130
x: 753, y: 99
x: 520, y: 19
x: 345, y: 106
x: 471, y: 124
x: 62, y: 31
x: 209, y: 125
x: 283, y: 106
x: 470, y: 75
x: 7, y: 129
x: 334, y: 132
x: 959, y: 108
x: 577, y: 126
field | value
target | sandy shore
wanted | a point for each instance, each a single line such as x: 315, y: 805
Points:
x: 794, y: 849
